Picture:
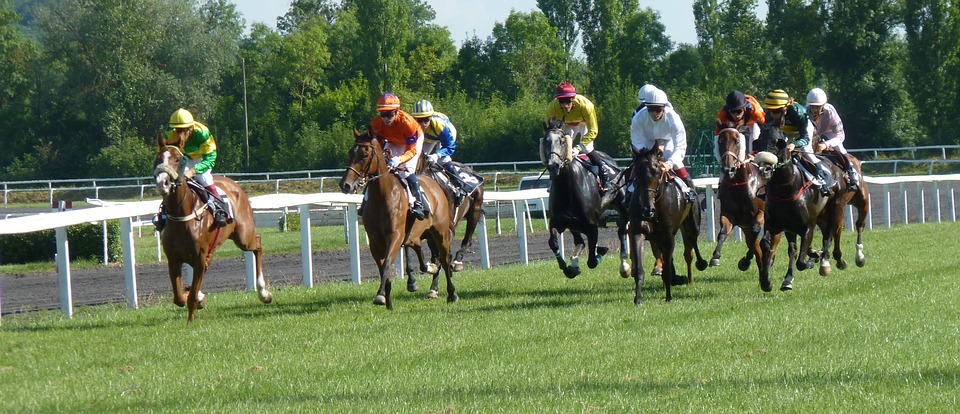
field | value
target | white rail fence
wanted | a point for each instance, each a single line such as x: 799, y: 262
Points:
x: 128, y: 212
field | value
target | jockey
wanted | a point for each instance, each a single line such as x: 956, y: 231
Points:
x: 402, y: 136
x: 746, y: 113
x: 579, y: 116
x: 439, y: 134
x: 658, y: 124
x: 200, y: 156
x: 642, y: 94
x: 830, y: 136
x: 792, y: 117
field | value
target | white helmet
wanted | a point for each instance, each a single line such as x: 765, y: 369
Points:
x: 642, y: 95
x: 816, y: 96
x: 655, y: 97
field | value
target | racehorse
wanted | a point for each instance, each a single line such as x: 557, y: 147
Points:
x: 795, y: 206
x: 860, y: 200
x: 739, y: 204
x: 658, y: 209
x: 385, y: 214
x: 575, y: 203
x: 469, y: 209
x: 190, y: 235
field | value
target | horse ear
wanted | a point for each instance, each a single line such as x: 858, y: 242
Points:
x: 356, y: 133
x: 160, y: 141
x: 578, y: 138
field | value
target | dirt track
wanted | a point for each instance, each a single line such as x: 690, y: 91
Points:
x: 105, y: 284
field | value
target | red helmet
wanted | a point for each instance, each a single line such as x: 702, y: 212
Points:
x: 388, y: 102
x: 565, y: 90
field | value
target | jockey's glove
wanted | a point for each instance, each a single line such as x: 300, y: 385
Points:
x: 393, y: 162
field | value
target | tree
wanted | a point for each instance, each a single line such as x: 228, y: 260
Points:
x: 561, y: 15
x: 17, y: 87
x: 933, y: 39
x: 525, y: 55
x: 732, y: 46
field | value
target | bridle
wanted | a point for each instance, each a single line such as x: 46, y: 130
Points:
x: 565, y: 159
x: 176, y: 182
x: 365, y: 176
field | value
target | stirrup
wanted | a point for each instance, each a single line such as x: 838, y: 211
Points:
x: 418, y: 211
x: 220, y: 218
x: 159, y: 222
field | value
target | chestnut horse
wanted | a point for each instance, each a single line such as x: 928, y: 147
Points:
x: 795, y: 206
x: 469, y: 209
x: 385, y: 214
x: 190, y: 237
x: 739, y: 204
x: 576, y: 203
x: 658, y: 209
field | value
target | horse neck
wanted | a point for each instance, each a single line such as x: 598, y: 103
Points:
x: 786, y: 179
x: 181, y: 200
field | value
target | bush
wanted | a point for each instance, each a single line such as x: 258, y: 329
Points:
x: 293, y: 222
x: 86, y: 242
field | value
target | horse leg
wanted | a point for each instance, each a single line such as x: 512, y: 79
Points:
x: 690, y: 228
x: 792, y: 252
x: 196, y: 299
x: 636, y: 257
x: 554, y: 243
x: 862, y: 203
x: 409, y: 269
x: 176, y: 279
x: 249, y: 241
x: 442, y: 242
x: 624, y: 247
x: 725, y: 227
x: 767, y: 248
x: 753, y: 250
x: 595, y: 254
x: 669, y: 274
x: 578, y: 247
x: 473, y: 218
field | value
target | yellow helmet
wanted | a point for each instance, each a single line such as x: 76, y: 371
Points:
x: 181, y: 119
x: 422, y: 109
x: 777, y: 99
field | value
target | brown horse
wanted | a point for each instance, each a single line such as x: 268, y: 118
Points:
x: 859, y: 199
x: 795, y: 206
x: 658, y: 209
x: 385, y: 214
x: 739, y: 204
x: 190, y: 236
x: 469, y: 211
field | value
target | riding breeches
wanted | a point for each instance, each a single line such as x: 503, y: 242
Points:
x: 205, y: 179
x: 430, y: 146
x: 572, y: 131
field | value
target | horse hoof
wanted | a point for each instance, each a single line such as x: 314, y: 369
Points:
x: 202, y: 303
x: 861, y: 261
x: 679, y: 281
x: 266, y: 297
x: 715, y: 262
x: 743, y: 264
x: 765, y: 286
x: 432, y: 268
x: 380, y: 300
x: 637, y: 301
x: 571, y: 272
x: 786, y: 286
x: 453, y: 298
x: 412, y: 285
x: 701, y: 265
x: 432, y: 294
x: 841, y: 264
x: 602, y: 250
x: 457, y: 266
x: 657, y: 271
x: 594, y: 263
x: 625, y: 270
x: 825, y: 269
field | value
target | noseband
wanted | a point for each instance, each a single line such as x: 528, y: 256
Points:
x: 565, y: 159
x: 366, y: 175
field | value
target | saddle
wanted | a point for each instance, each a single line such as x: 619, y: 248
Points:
x: 612, y: 170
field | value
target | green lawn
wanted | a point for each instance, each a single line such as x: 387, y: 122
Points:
x: 883, y: 338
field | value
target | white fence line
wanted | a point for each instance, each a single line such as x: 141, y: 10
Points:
x: 128, y: 211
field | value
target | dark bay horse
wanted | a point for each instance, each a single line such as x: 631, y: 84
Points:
x: 190, y: 236
x: 795, y: 206
x: 658, y: 209
x: 575, y: 203
x: 385, y: 214
x: 739, y: 204
x: 860, y: 200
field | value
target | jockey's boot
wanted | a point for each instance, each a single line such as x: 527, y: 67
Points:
x: 826, y: 178
x: 218, y: 207
x: 691, y: 193
x: 458, y: 185
x: 420, y: 209
x: 853, y: 178
x: 602, y: 173
x: 159, y: 221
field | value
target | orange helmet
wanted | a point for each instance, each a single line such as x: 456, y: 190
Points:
x: 388, y: 102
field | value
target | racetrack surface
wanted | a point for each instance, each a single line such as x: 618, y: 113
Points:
x: 105, y: 284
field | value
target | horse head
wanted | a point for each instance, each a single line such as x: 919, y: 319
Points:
x: 167, y: 168
x: 732, y: 152
x: 772, y: 146
x: 649, y: 179
x: 556, y: 147
x: 366, y: 160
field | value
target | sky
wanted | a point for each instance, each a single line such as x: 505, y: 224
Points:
x: 466, y: 18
